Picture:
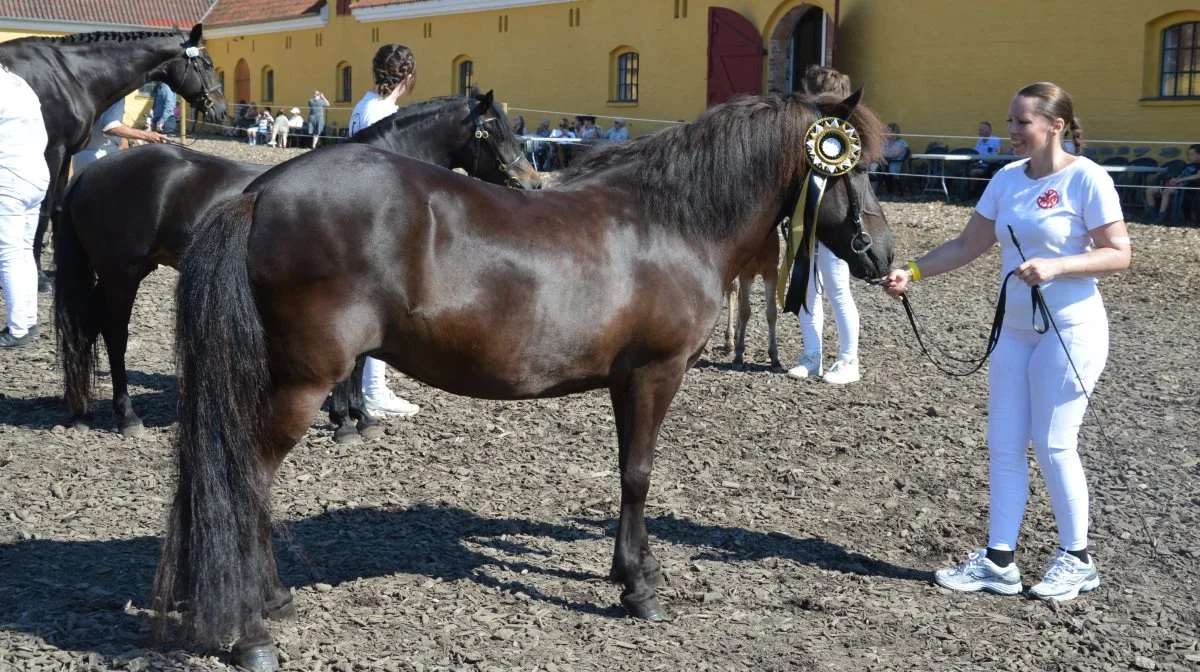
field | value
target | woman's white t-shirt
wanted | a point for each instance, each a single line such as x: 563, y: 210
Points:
x: 1052, y: 217
x: 22, y: 131
x: 369, y: 110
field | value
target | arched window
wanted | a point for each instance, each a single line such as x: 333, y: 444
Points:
x: 1179, y: 76
x: 463, y: 75
x: 268, y: 85
x: 345, y: 83
x: 624, y: 84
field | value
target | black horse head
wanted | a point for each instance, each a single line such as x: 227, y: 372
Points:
x: 193, y: 76
x: 495, y: 142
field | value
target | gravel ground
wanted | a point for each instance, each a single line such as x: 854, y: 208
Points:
x: 797, y: 522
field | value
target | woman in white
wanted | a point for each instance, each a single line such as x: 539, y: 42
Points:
x: 831, y: 279
x: 23, y: 181
x: 1065, y: 214
x: 395, y: 70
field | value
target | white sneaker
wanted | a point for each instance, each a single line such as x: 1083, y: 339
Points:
x: 1066, y: 577
x: 388, y: 403
x: 842, y: 372
x: 979, y: 573
x: 807, y: 365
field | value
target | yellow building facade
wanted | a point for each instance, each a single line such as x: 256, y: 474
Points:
x: 937, y: 67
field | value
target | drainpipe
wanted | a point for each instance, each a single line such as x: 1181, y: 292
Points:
x: 837, y: 13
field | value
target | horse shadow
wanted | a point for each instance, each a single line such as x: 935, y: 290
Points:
x: 90, y: 596
x: 156, y: 407
x: 730, y: 367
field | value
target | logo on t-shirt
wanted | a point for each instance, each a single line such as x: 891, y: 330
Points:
x: 1048, y: 200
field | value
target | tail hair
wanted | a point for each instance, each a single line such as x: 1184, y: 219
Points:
x: 76, y: 310
x: 216, y: 558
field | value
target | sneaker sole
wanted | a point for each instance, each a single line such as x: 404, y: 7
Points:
x: 399, y: 414
x: 1086, y: 587
x: 804, y: 376
x: 998, y: 589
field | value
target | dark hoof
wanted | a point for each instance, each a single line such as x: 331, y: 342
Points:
x: 778, y: 368
x: 135, y: 430
x: 284, y: 612
x: 646, y: 608
x: 370, y: 431
x: 347, y: 435
x: 257, y: 658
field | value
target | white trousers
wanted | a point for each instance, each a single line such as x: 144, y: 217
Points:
x: 20, y: 201
x: 1036, y: 397
x: 374, y: 377
x: 832, y: 281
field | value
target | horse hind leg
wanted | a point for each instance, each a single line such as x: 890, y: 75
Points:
x: 730, y: 300
x: 369, y: 426
x: 772, y: 314
x: 117, y: 312
x: 743, y: 298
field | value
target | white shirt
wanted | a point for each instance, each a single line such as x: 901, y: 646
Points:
x: 988, y: 145
x: 1052, y: 217
x: 22, y: 132
x: 369, y: 110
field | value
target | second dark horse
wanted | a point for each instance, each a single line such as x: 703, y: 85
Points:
x: 130, y: 212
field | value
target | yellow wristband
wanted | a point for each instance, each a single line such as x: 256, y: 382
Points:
x: 915, y: 271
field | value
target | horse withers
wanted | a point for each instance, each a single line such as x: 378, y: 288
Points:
x: 135, y: 210
x: 612, y: 280
x: 77, y: 77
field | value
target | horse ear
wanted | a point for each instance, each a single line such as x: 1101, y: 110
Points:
x: 196, y: 35
x: 853, y: 100
x: 485, y: 103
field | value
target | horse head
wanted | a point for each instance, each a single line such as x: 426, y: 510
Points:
x: 193, y: 76
x: 493, y: 143
x: 850, y: 221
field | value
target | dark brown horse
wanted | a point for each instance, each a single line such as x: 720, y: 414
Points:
x: 130, y: 212
x: 76, y: 77
x: 613, y: 280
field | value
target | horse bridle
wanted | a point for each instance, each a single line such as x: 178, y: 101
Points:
x: 193, y: 54
x: 481, y: 133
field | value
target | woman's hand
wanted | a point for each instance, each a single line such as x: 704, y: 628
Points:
x: 896, y: 282
x: 1036, y: 271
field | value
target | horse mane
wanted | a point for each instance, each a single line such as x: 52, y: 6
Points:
x: 109, y: 35
x: 709, y: 175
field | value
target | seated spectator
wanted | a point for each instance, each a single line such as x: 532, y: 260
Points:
x: 895, y: 151
x: 588, y: 131
x: 541, y: 150
x: 986, y: 145
x: 260, y: 132
x: 279, y: 130
x: 519, y: 125
x: 618, y: 132
x: 1160, y: 196
x: 559, y: 148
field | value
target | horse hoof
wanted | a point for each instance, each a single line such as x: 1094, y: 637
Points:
x: 284, y: 612
x: 134, y: 431
x: 347, y: 436
x: 646, y: 608
x: 738, y: 366
x: 370, y: 432
x: 778, y: 368
x: 260, y: 658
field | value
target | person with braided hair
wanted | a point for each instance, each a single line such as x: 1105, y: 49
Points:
x: 1058, y: 220
x: 395, y: 71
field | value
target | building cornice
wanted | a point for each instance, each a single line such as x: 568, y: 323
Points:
x: 278, y: 26
x: 55, y: 26
x: 441, y: 7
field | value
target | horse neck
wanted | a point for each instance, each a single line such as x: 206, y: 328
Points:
x: 108, y: 70
x: 747, y: 241
x: 419, y: 138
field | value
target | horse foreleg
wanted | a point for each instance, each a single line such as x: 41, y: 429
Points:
x: 339, y: 414
x: 55, y: 158
x: 743, y: 298
x: 730, y: 299
x: 772, y: 310
x: 639, y: 404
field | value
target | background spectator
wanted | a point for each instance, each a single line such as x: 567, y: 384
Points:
x: 162, y: 115
x: 618, y: 132
x: 316, y: 116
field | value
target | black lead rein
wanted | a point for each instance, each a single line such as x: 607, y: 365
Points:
x: 1039, y: 304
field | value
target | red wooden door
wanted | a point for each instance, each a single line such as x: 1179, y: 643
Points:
x: 241, y: 81
x: 735, y: 56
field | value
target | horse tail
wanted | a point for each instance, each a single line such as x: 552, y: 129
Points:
x: 76, y: 311
x: 216, y: 558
